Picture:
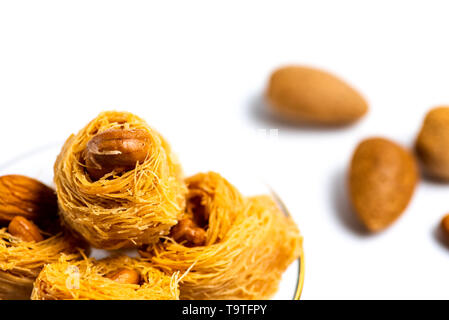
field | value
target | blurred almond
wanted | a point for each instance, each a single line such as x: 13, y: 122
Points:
x: 432, y: 144
x: 26, y: 197
x: 382, y: 180
x: 312, y: 96
x: 445, y: 224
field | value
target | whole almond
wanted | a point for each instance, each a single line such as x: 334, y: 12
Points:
x: 189, y: 232
x: 24, y: 229
x: 116, y: 150
x: 124, y: 276
x: 27, y: 197
x: 432, y: 144
x: 311, y: 96
x: 382, y: 180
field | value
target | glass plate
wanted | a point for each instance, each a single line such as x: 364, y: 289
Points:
x: 38, y: 164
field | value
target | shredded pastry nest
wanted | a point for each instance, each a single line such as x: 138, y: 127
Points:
x: 250, y: 243
x: 85, y: 280
x: 126, y: 210
x: 21, y: 261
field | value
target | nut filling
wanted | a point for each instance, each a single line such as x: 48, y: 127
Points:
x: 124, y: 276
x: 115, y: 150
x: 24, y: 229
x: 191, y: 231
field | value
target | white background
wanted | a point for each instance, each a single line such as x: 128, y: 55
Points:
x: 195, y: 70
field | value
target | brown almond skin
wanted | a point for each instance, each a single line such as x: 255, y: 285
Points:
x: 187, y: 231
x: 26, y: 197
x: 116, y: 150
x: 24, y: 229
x: 382, y: 179
x: 125, y: 276
x: 310, y: 96
x: 432, y: 143
x: 445, y: 225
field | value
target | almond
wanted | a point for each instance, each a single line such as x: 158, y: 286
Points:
x: 445, y: 224
x: 187, y: 231
x: 432, y: 144
x: 382, y: 180
x: 124, y: 276
x: 26, y: 197
x: 117, y: 150
x: 311, y: 96
x: 24, y: 229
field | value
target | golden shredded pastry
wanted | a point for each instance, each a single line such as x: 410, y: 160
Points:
x: 88, y: 280
x: 250, y: 243
x: 134, y: 208
x: 21, y: 261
